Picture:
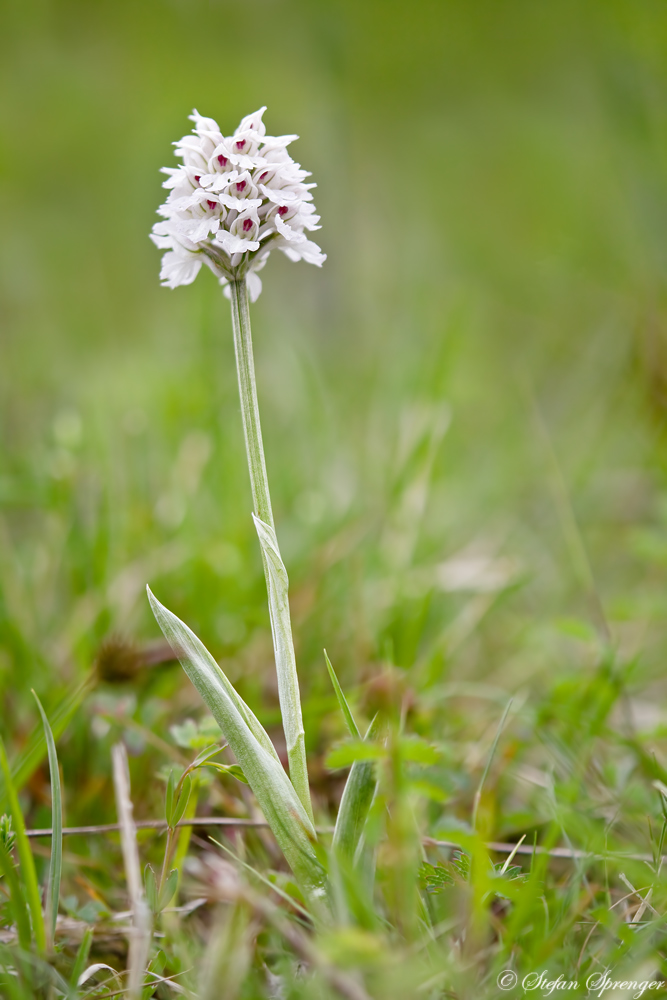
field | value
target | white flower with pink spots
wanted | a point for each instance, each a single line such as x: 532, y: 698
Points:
x: 231, y: 202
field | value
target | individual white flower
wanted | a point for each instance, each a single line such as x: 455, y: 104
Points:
x: 231, y: 201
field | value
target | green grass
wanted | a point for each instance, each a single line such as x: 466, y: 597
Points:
x: 464, y: 419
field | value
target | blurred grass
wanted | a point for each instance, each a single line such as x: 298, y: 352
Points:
x: 492, y: 187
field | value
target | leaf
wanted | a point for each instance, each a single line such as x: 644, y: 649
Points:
x: 181, y: 804
x: 56, y: 861
x: 413, y: 748
x: 233, y: 769
x: 150, y: 886
x: 206, y: 754
x: 288, y: 681
x: 25, y: 855
x: 188, y: 647
x: 93, y: 969
x: 168, y: 889
x: 353, y: 751
x: 356, y: 799
x: 344, y: 707
x: 434, y: 878
x: 81, y: 957
x: 17, y: 898
x: 275, y: 793
x: 196, y: 736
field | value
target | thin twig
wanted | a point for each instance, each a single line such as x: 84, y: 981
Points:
x: 161, y: 825
x: 564, y: 853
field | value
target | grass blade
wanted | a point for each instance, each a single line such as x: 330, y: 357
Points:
x: 355, y: 803
x: 273, y: 789
x: 342, y: 701
x: 81, y: 958
x: 17, y: 899
x: 25, y: 855
x: 141, y: 919
x: 288, y: 681
x: 487, y: 767
x: 56, y: 862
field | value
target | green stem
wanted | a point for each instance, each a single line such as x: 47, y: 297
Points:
x: 245, y: 367
x: 276, y: 582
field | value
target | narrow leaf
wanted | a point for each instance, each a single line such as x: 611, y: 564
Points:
x: 17, y: 898
x: 187, y: 646
x: 182, y: 803
x: 206, y: 754
x: 342, y: 701
x: 233, y: 769
x: 56, y: 861
x: 288, y: 681
x: 25, y: 855
x: 81, y: 957
x: 275, y: 793
x: 168, y: 889
x: 150, y: 887
x: 356, y: 800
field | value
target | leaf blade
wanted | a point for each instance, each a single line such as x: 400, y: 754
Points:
x: 25, y: 854
x: 273, y: 789
x: 342, y: 701
x: 56, y: 860
x: 187, y: 646
x: 356, y: 801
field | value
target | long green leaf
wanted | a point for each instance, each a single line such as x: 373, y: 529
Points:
x: 56, y: 862
x: 25, y: 854
x: 355, y: 803
x: 81, y: 958
x: 274, y: 791
x: 16, y: 897
x: 288, y: 681
x: 209, y: 669
x: 342, y: 701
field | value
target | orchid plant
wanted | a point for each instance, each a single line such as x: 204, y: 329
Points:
x: 231, y: 201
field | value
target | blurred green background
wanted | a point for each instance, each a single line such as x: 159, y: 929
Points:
x: 464, y: 410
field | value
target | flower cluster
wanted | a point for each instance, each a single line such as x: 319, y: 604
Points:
x: 231, y: 202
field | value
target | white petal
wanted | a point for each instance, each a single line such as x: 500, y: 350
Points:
x: 199, y: 229
x: 162, y: 242
x: 234, y: 244
x: 290, y: 234
x: 279, y: 197
x: 278, y: 141
x: 202, y: 123
x: 254, y: 122
x: 254, y: 283
x: 240, y: 204
x: 308, y: 251
x: 179, y: 269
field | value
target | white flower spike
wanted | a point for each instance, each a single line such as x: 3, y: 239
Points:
x: 231, y: 202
